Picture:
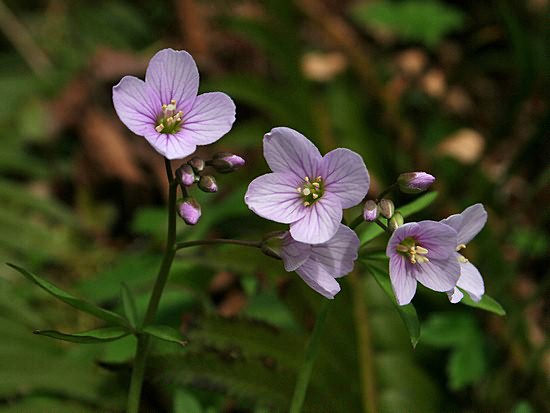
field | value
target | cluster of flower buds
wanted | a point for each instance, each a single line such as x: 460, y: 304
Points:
x: 409, y: 183
x: 193, y: 172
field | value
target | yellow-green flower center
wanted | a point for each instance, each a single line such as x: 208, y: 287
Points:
x: 311, y: 190
x: 169, y: 120
x: 413, y: 251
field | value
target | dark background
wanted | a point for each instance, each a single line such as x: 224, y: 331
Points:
x: 453, y: 88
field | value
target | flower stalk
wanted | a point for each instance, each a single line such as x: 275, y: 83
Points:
x: 142, y: 350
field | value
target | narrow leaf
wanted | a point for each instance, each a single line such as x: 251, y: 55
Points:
x: 165, y: 333
x: 128, y: 304
x: 67, y: 298
x: 487, y: 303
x: 373, y: 230
x: 406, y: 312
x: 100, y: 335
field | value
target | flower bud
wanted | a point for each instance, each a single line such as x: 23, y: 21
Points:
x: 396, y: 221
x: 225, y: 162
x: 189, y: 210
x: 371, y: 212
x: 272, y: 243
x: 207, y: 183
x: 415, y: 182
x: 197, y: 164
x: 185, y: 175
x: 386, y: 208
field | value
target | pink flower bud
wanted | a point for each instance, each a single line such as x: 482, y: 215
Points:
x: 189, y: 210
x: 207, y: 183
x: 185, y: 175
x: 415, y: 182
x: 371, y: 211
x: 225, y: 162
x: 386, y: 208
x: 197, y: 164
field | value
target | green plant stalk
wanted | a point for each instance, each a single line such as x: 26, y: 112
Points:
x: 364, y: 345
x: 187, y: 244
x: 312, y: 349
x: 138, y: 371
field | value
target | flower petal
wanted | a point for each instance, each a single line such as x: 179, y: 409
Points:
x: 320, y: 221
x: 211, y: 117
x: 439, y: 239
x: 294, y: 253
x: 337, y: 255
x: 471, y: 281
x: 404, y: 286
x: 170, y: 146
x: 437, y: 275
x: 345, y: 174
x: 455, y: 295
x: 173, y: 74
x: 290, y: 152
x: 274, y: 197
x: 468, y: 223
x: 136, y: 105
x: 317, y: 278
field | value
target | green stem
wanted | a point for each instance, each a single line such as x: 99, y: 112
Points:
x: 140, y: 360
x: 364, y: 344
x: 357, y: 221
x: 311, y: 352
x: 187, y: 244
x: 382, y: 225
x: 388, y: 189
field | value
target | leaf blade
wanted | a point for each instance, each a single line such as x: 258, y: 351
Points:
x: 165, y: 333
x: 69, y: 299
x: 99, y: 335
x: 486, y: 303
x: 406, y: 312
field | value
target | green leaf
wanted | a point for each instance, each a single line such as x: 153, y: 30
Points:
x: 185, y: 402
x: 413, y: 20
x: 461, y: 333
x: 406, y: 312
x: 99, y: 335
x: 129, y: 305
x: 165, y: 333
x: 486, y: 303
x: 523, y: 407
x: 373, y: 230
x: 67, y: 298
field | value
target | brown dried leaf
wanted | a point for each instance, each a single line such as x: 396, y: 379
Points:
x: 465, y: 145
x: 323, y: 67
x: 111, y: 65
x: 108, y: 149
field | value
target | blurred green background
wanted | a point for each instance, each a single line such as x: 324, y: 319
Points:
x: 454, y: 88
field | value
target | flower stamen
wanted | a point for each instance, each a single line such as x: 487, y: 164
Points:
x: 169, y: 120
x: 414, y: 252
x: 311, y: 190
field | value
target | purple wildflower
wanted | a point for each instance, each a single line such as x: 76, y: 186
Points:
x: 422, y: 251
x: 467, y: 225
x: 166, y: 110
x: 415, y: 182
x: 318, y: 265
x: 306, y: 190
